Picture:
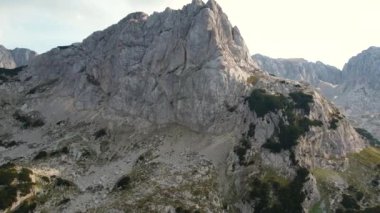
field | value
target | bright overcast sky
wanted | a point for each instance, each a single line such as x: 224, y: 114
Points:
x: 330, y: 31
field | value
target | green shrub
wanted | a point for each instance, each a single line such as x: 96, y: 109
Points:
x: 252, y: 80
x: 7, y: 176
x: 63, y: 183
x: 241, y: 149
x: 24, y: 188
x: 251, y: 130
x: 182, y: 210
x: 41, y: 155
x: 63, y: 202
x: 302, y: 100
x: 8, y: 195
x: 272, y: 196
x: 100, y: 133
x: 287, y: 135
x: 31, y: 119
x: 9, y: 144
x: 12, y: 182
x: 63, y: 150
x: 24, y: 175
x: 336, y: 117
x: 64, y: 47
x: 92, y: 80
x: 9, y: 74
x: 260, y: 194
x: 45, y: 179
x: 373, y: 141
x: 123, y: 183
x: 334, y: 123
x: 262, y: 103
x: 349, y: 202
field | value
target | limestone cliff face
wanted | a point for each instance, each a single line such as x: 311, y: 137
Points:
x: 359, y: 94
x: 10, y: 59
x: 6, y: 60
x: 177, y: 66
x: 321, y: 76
x: 167, y: 113
x: 359, y: 91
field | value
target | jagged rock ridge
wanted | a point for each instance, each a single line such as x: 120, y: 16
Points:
x: 169, y: 113
x: 354, y: 89
x: 321, y: 76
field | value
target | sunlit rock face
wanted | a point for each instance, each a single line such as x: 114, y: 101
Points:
x: 359, y: 95
x: 17, y: 57
x: 169, y: 113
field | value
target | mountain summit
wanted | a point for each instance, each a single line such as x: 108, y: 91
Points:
x: 169, y: 113
x: 177, y: 66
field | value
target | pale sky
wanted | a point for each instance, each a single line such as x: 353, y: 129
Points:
x: 330, y: 31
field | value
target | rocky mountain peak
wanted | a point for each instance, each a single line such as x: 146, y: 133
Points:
x: 202, y: 67
x: 363, y: 69
x: 172, y: 107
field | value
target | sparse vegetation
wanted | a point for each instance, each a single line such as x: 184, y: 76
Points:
x: 9, y: 144
x: 182, y: 210
x: 286, y: 136
x: 251, y: 130
x: 60, y: 182
x: 349, y: 202
x: 302, y: 100
x: 63, y: 202
x: 336, y: 117
x: 44, y: 154
x: 7, y: 74
x: 273, y: 196
x: 100, y: 133
x: 64, y: 47
x: 42, y: 87
x: 241, y: 149
x: 26, y: 206
x: 63, y: 150
x: 252, y: 79
x: 29, y: 120
x: 41, y: 155
x: 334, y: 123
x: 230, y: 108
x: 373, y: 141
x: 13, y: 181
x: 360, y: 196
x: 262, y: 103
x: 289, y: 129
x: 92, y: 80
x: 123, y: 183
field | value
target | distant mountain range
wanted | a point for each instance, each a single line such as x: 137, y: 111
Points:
x: 17, y: 57
x: 355, y: 89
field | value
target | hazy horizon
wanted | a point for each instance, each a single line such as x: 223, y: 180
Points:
x: 326, y: 31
